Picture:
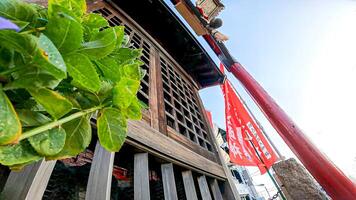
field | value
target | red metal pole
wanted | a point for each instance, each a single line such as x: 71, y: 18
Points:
x: 332, y: 179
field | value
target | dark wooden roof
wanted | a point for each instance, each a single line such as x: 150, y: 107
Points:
x: 164, y: 26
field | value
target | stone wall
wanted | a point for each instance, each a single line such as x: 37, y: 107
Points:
x: 297, y: 182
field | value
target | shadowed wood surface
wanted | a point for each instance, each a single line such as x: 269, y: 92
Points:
x: 169, y: 184
x: 30, y: 183
x: 214, y: 186
x: 204, y: 188
x: 141, y: 132
x: 99, y: 183
x: 189, y: 186
x: 141, y: 177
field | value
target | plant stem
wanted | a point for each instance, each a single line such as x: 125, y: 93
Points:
x: 34, y: 30
x: 53, y: 124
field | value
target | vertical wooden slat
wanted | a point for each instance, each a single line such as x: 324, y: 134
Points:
x: 99, y: 183
x: 30, y: 183
x: 169, y: 185
x: 189, y: 186
x: 154, y: 99
x: 214, y: 186
x: 160, y: 99
x: 141, y: 177
x: 204, y: 188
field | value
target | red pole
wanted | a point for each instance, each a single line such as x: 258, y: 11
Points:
x: 332, y: 179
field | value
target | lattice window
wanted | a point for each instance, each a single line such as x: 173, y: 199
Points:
x: 181, y: 106
x: 137, y: 41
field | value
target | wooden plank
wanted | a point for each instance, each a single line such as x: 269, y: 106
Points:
x: 30, y: 183
x: 142, y: 133
x: 214, y: 186
x: 141, y: 177
x: 189, y: 186
x: 99, y: 183
x: 204, y: 188
x: 153, y: 88
x: 169, y: 184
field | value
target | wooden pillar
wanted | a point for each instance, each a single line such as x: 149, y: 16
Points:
x: 189, y: 186
x: 141, y: 177
x: 204, y: 188
x: 30, y: 183
x: 99, y: 182
x: 214, y: 186
x: 169, y: 184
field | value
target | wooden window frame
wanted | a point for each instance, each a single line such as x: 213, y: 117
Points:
x: 156, y: 115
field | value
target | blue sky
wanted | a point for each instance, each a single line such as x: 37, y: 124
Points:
x: 303, y: 52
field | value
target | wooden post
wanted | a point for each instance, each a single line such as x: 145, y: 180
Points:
x: 204, y: 188
x: 189, y: 186
x: 169, y: 184
x: 214, y: 186
x: 100, y: 176
x: 141, y: 177
x: 30, y: 183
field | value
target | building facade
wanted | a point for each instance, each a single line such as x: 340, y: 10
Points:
x: 241, y: 177
x: 171, y: 153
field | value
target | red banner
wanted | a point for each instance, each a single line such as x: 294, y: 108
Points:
x: 239, y: 127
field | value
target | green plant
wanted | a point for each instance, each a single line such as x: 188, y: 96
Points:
x: 63, y: 67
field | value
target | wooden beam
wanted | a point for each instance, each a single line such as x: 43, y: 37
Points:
x: 100, y: 176
x: 189, y: 186
x: 169, y: 184
x: 141, y: 177
x: 30, y: 183
x: 214, y: 186
x: 204, y: 188
x: 171, y: 150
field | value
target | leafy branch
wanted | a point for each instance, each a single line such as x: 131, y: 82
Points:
x: 58, y: 67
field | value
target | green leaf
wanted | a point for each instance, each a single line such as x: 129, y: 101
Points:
x: 105, y: 91
x: 101, y: 45
x: 32, y: 77
x: 78, y: 7
x: 83, y: 72
x: 17, y: 10
x: 126, y: 55
x: 31, y: 118
x: 95, y: 21
x: 22, y: 43
x: 125, y: 92
x: 21, y: 24
x: 49, y: 58
x: 10, y: 126
x: 50, y: 142
x: 78, y: 137
x: 40, y: 52
x: 112, y: 129
x: 132, y: 71
x: 55, y: 104
x: 18, y: 154
x: 86, y: 99
x: 65, y: 32
x: 134, y: 110
x: 6, y: 58
x: 120, y: 35
x: 110, y: 69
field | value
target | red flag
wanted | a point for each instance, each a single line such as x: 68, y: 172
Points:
x: 239, y: 127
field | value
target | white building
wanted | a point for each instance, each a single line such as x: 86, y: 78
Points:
x: 241, y: 176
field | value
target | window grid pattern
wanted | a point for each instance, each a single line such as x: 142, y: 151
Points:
x: 181, y: 106
x: 137, y: 41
